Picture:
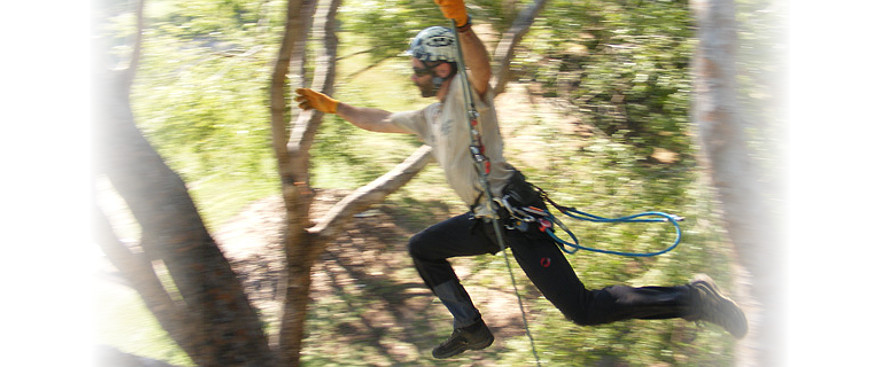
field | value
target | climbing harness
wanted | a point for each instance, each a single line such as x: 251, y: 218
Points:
x: 484, y: 167
x: 522, y: 216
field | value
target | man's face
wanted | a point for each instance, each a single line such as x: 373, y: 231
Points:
x: 422, y: 75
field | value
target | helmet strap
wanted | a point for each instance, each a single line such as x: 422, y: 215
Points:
x: 437, y: 81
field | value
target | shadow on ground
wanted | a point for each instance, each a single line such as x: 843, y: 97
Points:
x: 369, y: 306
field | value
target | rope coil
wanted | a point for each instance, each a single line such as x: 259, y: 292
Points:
x: 576, y: 214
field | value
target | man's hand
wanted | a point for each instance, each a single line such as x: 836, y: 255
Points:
x: 455, y: 10
x: 309, y: 99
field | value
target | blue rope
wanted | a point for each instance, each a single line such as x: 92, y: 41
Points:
x: 576, y: 214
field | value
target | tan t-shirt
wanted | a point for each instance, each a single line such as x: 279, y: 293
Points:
x: 445, y: 127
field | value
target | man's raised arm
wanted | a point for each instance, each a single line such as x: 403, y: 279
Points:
x: 474, y: 51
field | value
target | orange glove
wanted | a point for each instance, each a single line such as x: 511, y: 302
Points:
x: 309, y: 99
x: 455, y: 10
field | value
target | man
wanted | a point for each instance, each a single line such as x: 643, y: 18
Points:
x: 444, y: 126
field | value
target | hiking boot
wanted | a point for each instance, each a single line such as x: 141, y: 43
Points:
x: 473, y: 337
x: 712, y: 306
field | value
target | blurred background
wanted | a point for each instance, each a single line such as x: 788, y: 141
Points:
x: 201, y: 98
x: 597, y: 112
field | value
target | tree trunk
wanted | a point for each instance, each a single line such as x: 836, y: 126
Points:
x: 215, y: 324
x: 292, y: 151
x: 303, y: 244
x: 138, y: 271
x: 734, y: 174
x: 221, y: 327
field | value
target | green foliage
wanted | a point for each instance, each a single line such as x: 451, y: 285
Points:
x: 385, y: 27
x: 201, y: 94
x: 626, y: 69
x: 400, y: 20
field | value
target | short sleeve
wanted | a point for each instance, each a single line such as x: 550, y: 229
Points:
x: 415, y: 121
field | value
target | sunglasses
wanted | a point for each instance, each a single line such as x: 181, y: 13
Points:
x: 423, y: 71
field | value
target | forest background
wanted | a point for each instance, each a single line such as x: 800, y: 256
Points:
x: 841, y: 161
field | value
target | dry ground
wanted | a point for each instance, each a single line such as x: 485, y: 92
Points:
x: 369, y: 265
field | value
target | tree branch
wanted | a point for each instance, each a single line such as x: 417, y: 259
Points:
x: 306, y: 126
x: 368, y: 67
x: 335, y: 219
x: 301, y: 248
x: 278, y: 88
x: 509, y: 40
x: 371, y: 49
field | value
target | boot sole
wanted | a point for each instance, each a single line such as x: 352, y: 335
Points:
x: 738, y: 331
x: 466, y: 348
x: 484, y: 345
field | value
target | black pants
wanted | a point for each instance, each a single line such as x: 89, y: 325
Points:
x: 545, y: 265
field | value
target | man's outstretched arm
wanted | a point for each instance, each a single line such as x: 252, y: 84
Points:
x: 372, y: 119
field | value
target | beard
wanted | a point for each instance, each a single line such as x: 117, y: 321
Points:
x: 427, y: 88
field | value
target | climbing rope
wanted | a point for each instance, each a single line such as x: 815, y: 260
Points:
x: 484, y: 166
x: 645, y: 217
x: 521, y: 217
x: 664, y: 217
